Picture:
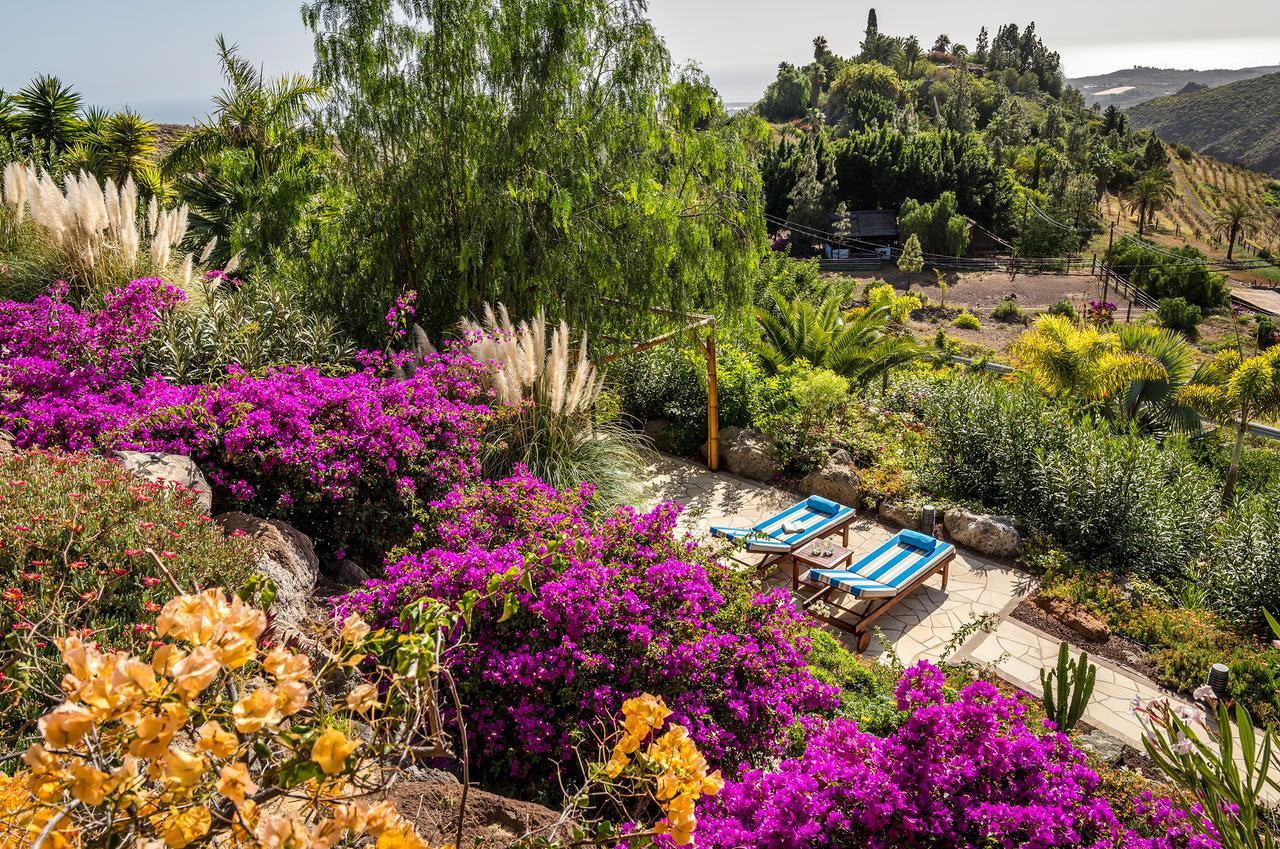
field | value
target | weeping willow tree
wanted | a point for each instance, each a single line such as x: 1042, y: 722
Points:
x: 536, y: 152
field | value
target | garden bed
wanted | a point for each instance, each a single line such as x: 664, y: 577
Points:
x: 1131, y: 655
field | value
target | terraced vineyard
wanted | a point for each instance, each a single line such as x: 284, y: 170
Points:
x: 1205, y: 185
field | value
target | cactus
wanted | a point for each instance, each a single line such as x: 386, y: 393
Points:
x: 1067, y: 689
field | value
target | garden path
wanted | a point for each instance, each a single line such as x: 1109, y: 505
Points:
x: 925, y: 625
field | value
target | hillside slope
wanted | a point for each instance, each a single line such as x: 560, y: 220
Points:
x: 1132, y: 86
x: 1238, y: 122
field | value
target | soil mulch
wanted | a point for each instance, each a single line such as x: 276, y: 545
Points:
x: 1121, y: 651
x: 491, y: 821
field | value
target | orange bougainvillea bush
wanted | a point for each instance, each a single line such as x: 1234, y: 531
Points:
x: 222, y: 735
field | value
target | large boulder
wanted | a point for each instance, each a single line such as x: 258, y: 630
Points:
x: 993, y: 535
x: 6, y: 446
x: 1108, y: 749
x: 903, y: 515
x: 170, y: 468
x: 838, y: 480
x: 288, y: 559
x: 748, y: 454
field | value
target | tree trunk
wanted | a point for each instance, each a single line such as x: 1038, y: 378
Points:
x: 1229, y: 489
x: 1231, y: 243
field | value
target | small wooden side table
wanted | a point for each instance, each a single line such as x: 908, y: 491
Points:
x: 803, y: 557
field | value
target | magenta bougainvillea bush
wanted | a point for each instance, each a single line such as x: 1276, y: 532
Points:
x: 965, y: 773
x: 609, y: 609
x: 344, y: 453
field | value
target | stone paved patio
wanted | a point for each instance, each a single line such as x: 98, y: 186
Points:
x: 921, y: 626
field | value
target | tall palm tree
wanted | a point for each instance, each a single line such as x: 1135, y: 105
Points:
x: 1233, y: 389
x: 1067, y: 360
x: 255, y: 135
x: 48, y: 113
x: 1150, y: 192
x: 819, y: 48
x: 911, y: 53
x: 1233, y: 218
x: 859, y: 347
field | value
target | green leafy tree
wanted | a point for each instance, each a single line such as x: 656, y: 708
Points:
x: 542, y: 154
x: 938, y: 226
x: 1234, y: 389
x: 787, y: 96
x: 912, y: 259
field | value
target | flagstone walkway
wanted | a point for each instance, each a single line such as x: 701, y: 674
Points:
x: 923, y: 625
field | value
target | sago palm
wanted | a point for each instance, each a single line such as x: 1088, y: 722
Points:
x: 1233, y: 219
x: 858, y: 347
x: 1067, y: 360
x: 1150, y: 192
x: 1234, y: 389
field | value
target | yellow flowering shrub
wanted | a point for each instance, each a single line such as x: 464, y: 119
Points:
x: 202, y: 741
x: 663, y: 769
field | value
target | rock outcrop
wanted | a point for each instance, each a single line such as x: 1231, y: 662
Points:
x: 169, y: 468
x: 838, y: 480
x: 288, y: 559
x: 993, y: 535
x: 748, y: 454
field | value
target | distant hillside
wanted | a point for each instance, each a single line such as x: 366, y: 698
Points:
x: 1238, y: 122
x: 1134, y: 85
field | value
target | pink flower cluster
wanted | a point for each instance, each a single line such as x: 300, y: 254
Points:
x: 612, y: 608
x: 291, y: 439
x: 970, y: 772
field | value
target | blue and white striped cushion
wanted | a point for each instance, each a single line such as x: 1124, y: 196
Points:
x: 769, y: 537
x: 883, y: 572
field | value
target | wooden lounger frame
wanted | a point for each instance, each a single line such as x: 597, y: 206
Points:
x: 876, y: 607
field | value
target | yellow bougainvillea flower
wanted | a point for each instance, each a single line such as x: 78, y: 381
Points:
x: 380, y: 817
x: 643, y: 714
x: 291, y: 697
x: 284, y: 665
x: 88, y: 784
x: 331, y: 749
x: 195, y: 672
x: 234, y: 782
x: 363, y: 699
x: 681, y: 821
x: 401, y: 836
x: 155, y: 730
x: 255, y: 711
x: 45, y: 778
x: 354, y: 628
x: 166, y: 658
x: 281, y: 832
x: 180, y: 770
x: 65, y: 725
x: 216, y: 740
x: 179, y: 827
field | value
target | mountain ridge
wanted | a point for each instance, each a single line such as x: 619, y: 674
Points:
x: 1130, y: 86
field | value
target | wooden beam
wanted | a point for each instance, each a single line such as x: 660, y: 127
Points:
x: 641, y: 347
x: 713, y: 401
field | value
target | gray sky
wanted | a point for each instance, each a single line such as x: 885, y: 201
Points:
x: 157, y: 55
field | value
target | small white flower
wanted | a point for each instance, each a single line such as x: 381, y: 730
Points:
x: 1203, y: 693
x: 1275, y: 644
x: 1136, y: 705
x: 1183, y: 746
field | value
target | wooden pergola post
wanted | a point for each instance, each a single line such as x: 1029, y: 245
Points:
x: 713, y: 401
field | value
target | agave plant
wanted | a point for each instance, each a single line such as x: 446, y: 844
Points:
x: 553, y: 424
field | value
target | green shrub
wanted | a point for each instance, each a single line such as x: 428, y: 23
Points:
x: 866, y: 690
x: 1116, y: 500
x: 1177, y: 314
x: 1245, y: 576
x: 1065, y: 309
x: 967, y: 321
x: 801, y: 409
x: 1007, y: 311
x: 1266, y: 334
x: 77, y: 555
x: 1182, y: 272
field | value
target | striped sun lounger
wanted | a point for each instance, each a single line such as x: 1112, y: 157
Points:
x: 780, y: 535
x: 881, y: 579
